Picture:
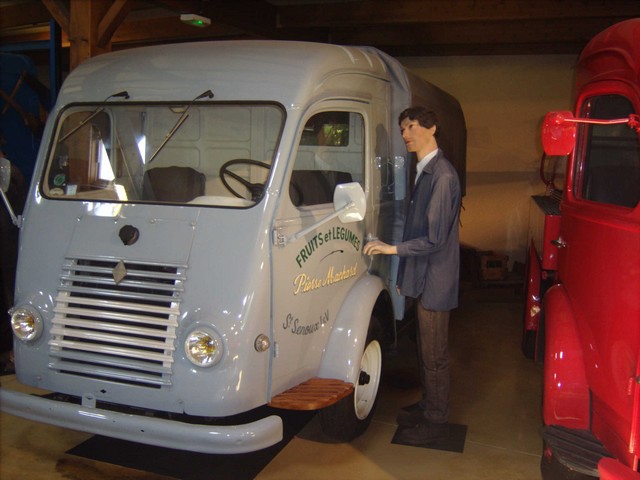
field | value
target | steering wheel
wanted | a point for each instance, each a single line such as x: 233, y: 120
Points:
x: 256, y: 189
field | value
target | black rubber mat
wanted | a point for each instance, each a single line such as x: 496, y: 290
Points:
x: 453, y: 443
x: 188, y: 465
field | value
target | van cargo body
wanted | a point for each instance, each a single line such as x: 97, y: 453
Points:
x: 191, y: 250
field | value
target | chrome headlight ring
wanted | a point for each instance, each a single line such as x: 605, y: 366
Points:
x: 203, y: 347
x: 26, y: 323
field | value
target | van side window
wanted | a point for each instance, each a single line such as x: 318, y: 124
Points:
x: 610, y: 168
x: 331, y: 152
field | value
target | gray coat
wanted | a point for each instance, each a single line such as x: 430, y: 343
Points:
x: 430, y: 250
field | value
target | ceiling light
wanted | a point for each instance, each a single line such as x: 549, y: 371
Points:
x: 195, y: 20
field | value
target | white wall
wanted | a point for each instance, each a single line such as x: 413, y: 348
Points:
x: 504, y: 99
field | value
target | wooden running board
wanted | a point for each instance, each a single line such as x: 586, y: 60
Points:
x: 313, y: 394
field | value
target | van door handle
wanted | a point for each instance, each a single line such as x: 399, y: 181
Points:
x: 559, y: 242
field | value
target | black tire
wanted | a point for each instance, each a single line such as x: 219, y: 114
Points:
x: 350, y: 417
x: 528, y: 343
x: 529, y: 340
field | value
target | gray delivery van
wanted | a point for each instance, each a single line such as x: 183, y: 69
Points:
x: 190, y: 255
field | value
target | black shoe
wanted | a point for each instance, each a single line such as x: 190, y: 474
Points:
x: 410, y: 416
x: 412, y: 407
x: 423, y: 433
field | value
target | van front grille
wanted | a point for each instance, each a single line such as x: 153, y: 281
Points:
x: 116, y: 321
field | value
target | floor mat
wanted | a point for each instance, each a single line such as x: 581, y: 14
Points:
x: 189, y: 465
x: 453, y: 443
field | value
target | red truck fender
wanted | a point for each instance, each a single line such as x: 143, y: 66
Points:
x: 566, y: 393
x: 611, y: 469
x: 532, y: 305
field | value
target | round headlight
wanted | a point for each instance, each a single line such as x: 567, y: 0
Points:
x: 203, y: 349
x: 26, y: 323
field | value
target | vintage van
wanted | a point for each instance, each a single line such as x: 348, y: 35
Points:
x: 191, y: 250
x: 585, y: 277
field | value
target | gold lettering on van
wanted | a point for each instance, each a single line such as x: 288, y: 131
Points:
x: 304, y: 283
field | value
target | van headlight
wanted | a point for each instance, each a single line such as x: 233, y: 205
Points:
x: 203, y: 348
x: 26, y: 323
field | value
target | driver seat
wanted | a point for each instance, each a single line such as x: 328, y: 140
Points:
x: 173, y: 184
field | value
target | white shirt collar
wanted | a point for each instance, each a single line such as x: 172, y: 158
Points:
x: 423, y: 163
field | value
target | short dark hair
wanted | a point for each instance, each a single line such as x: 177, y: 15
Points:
x: 426, y: 118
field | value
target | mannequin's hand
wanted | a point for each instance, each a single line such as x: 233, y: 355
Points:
x: 377, y: 247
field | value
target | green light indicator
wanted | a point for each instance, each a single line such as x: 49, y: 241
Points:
x: 195, y: 20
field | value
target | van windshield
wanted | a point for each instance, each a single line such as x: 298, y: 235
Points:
x: 200, y: 153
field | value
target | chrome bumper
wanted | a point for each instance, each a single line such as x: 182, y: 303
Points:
x: 152, y: 431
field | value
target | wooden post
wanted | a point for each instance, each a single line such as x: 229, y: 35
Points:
x: 89, y: 24
x: 85, y: 17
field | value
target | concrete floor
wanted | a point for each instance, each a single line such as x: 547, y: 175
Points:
x: 496, y: 393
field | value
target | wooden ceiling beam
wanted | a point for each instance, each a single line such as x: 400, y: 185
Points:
x: 256, y: 17
x: 165, y: 30
x: 111, y: 20
x: 383, y: 12
x: 59, y: 10
x: 531, y: 36
x: 16, y: 15
x: 401, y: 27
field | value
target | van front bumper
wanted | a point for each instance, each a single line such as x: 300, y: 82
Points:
x: 152, y: 431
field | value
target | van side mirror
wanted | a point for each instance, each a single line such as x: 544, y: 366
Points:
x: 558, y: 133
x: 350, y: 200
x: 349, y: 203
x: 5, y: 183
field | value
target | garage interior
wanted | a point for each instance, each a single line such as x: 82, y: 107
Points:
x: 508, y: 62
x: 495, y: 401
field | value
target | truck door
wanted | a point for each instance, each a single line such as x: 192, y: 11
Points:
x: 600, y: 254
x: 313, y: 274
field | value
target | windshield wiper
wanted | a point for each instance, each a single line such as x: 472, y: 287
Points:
x: 181, y: 120
x: 92, y: 115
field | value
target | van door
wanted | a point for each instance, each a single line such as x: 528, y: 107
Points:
x: 313, y: 274
x: 600, y: 254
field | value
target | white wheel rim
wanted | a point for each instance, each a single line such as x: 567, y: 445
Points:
x: 365, y: 395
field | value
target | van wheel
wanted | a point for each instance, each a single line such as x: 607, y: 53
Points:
x: 350, y: 417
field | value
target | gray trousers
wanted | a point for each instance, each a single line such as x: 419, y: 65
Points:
x: 433, y: 362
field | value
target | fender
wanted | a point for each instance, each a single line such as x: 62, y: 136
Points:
x: 341, y: 358
x: 611, y: 469
x: 566, y: 393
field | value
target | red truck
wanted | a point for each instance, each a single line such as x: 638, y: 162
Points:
x: 583, y: 289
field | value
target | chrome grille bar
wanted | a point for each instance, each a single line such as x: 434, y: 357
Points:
x: 121, y: 332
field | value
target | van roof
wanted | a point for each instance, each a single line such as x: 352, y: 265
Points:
x: 291, y: 73
x: 281, y: 71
